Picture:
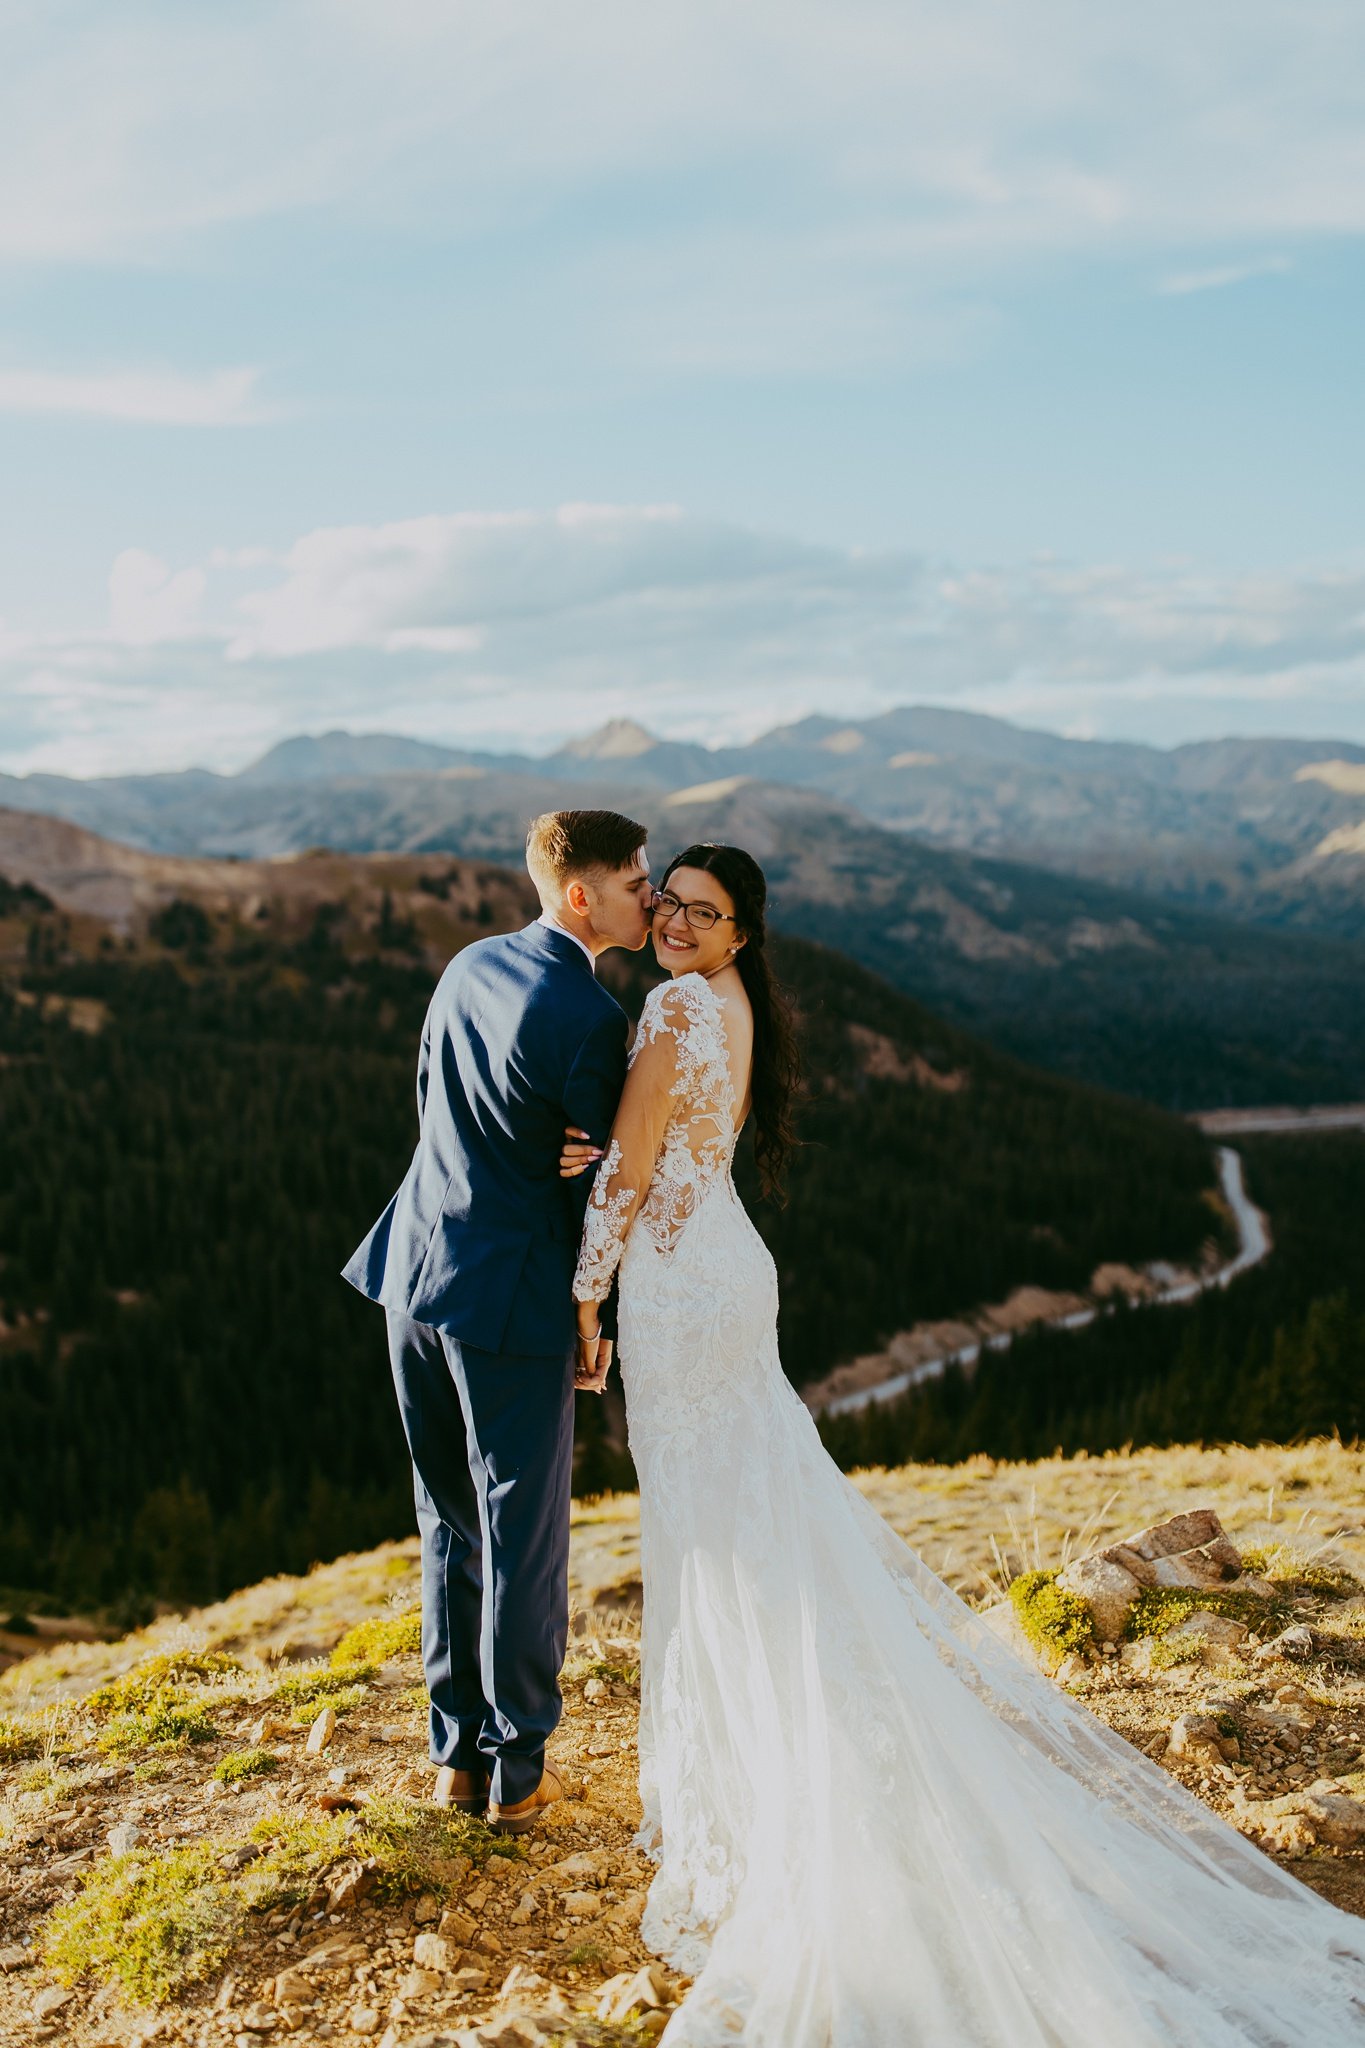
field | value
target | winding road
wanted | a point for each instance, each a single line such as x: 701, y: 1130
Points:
x: 1253, y: 1244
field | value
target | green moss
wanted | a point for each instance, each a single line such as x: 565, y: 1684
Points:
x: 167, y: 1722
x: 318, y: 1687
x: 1283, y: 1566
x: 152, y: 1771
x: 19, y: 1740
x: 176, y: 1671
x: 418, y: 1847
x: 299, y: 1851
x: 162, y: 1703
x: 375, y: 1641
x: 151, y: 1923
x: 1158, y: 1608
x: 1052, y: 1619
x: 245, y: 1763
x: 584, y: 1953
x: 343, y: 1701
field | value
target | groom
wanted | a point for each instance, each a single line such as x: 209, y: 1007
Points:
x: 473, y: 1260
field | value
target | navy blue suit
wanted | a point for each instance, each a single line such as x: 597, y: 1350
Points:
x: 473, y: 1259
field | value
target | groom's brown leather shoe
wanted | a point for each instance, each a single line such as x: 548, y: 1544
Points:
x: 519, y: 1818
x: 466, y: 1791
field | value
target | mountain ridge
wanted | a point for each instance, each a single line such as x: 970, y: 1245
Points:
x: 1270, y: 831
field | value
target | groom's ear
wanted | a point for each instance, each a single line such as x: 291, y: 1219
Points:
x: 576, y: 896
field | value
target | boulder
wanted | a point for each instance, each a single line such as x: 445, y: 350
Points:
x: 1337, y: 1818
x: 1292, y: 1834
x: 1192, y: 1549
x: 1107, y: 1588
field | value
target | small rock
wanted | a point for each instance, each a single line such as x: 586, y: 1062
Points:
x: 15, y: 1959
x: 1199, y: 1739
x: 364, y: 2020
x: 292, y: 1988
x: 428, y: 1907
x: 434, y: 1952
x: 418, y: 1984
x: 582, y: 1905
x: 604, y: 1746
x: 457, y: 1925
x: 238, y: 1858
x: 595, y: 1689
x: 489, y: 1943
x: 469, y: 1979
x: 1214, y: 1630
x: 259, y: 2019
x: 51, y: 2000
x: 123, y: 1838
x: 322, y: 1731
x: 1297, y: 1643
x: 1071, y: 1670
x: 624, y: 1995
x: 268, y: 1729
x: 348, y: 1884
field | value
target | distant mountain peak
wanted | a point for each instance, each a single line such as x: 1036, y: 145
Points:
x: 620, y: 739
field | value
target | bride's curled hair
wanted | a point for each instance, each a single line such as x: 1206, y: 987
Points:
x: 777, y: 1066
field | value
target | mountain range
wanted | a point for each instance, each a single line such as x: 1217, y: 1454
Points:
x: 1267, y: 830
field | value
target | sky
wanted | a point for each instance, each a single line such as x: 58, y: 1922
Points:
x: 482, y: 369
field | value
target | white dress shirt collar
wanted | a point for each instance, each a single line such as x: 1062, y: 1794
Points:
x: 552, y: 924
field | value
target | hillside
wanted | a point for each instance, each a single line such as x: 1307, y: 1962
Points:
x: 1099, y: 983
x: 206, y: 1090
x: 184, y: 1854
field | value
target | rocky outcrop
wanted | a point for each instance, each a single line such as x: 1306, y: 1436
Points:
x: 1191, y: 1549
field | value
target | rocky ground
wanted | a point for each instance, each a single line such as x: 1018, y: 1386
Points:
x: 215, y: 1831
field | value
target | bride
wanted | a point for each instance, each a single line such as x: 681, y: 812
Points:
x: 874, y: 1826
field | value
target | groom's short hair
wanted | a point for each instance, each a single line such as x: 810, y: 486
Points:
x: 562, y: 846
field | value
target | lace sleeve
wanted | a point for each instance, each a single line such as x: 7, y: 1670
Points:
x: 623, y: 1178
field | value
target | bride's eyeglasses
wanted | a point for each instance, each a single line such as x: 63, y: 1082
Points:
x: 701, y: 916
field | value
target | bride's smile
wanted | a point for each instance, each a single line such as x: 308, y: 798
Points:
x: 695, y: 927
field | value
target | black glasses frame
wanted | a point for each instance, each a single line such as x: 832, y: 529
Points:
x: 710, y: 915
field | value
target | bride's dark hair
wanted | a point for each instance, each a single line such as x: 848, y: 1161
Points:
x: 777, y: 1065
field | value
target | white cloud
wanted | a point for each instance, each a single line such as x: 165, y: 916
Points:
x: 520, y: 629
x: 148, y: 604
x: 952, y: 136
x: 1221, y: 276
x: 168, y: 398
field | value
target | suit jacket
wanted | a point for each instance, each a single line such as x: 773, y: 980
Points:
x: 481, y: 1239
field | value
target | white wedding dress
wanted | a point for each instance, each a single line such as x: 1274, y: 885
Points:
x: 874, y: 1826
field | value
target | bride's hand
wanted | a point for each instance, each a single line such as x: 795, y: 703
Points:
x: 579, y: 1153
x: 593, y: 1360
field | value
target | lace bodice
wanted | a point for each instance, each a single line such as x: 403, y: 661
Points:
x: 674, y: 1134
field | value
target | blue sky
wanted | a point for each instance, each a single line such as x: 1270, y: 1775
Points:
x: 482, y: 371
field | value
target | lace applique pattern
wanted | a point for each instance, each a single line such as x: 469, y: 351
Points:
x: 603, y: 1229
x: 683, y: 1020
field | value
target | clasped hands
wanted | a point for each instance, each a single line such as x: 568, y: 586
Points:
x: 592, y: 1362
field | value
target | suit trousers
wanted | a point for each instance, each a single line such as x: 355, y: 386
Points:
x: 491, y: 1439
